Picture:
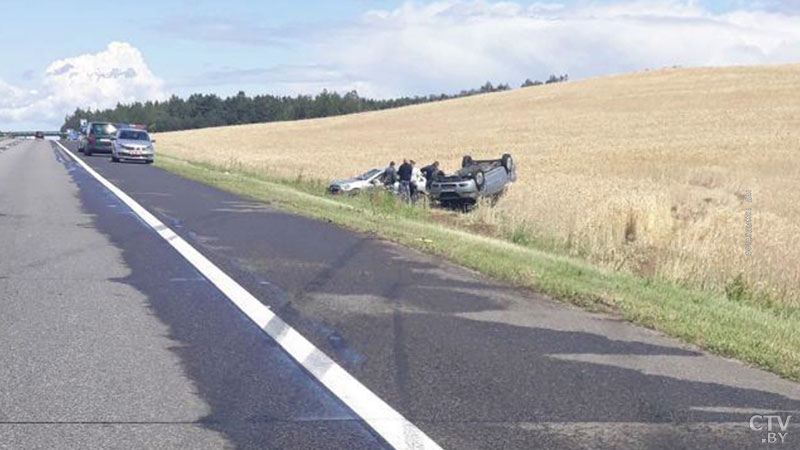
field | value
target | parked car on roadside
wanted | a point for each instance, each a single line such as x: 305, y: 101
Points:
x: 369, y: 180
x: 475, y: 180
x: 98, y: 138
x: 39, y: 135
x: 133, y: 145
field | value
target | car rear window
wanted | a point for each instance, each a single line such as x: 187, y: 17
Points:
x: 103, y: 128
x: 134, y: 135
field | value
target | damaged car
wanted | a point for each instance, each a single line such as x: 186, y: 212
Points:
x: 475, y: 180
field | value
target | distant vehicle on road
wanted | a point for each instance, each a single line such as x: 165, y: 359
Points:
x: 98, y: 138
x: 475, y: 180
x: 39, y: 135
x: 133, y: 145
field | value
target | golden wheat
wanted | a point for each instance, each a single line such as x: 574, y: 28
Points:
x: 645, y: 172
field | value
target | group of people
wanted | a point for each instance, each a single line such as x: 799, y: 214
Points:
x: 411, y: 178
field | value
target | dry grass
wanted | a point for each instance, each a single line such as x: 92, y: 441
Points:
x: 643, y: 172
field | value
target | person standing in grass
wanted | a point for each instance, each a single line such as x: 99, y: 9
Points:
x: 390, y: 175
x: 431, y: 172
x: 404, y: 173
x: 417, y: 180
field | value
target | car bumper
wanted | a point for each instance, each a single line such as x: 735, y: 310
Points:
x: 457, y: 193
x: 139, y: 155
x: 136, y: 157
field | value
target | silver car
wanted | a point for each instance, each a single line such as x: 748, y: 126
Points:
x: 475, y: 180
x: 133, y: 145
x: 352, y: 186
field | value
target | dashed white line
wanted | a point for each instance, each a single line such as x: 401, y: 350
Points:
x: 382, y: 418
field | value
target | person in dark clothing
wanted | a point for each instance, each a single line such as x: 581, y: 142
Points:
x: 431, y: 172
x: 404, y: 173
x: 390, y: 175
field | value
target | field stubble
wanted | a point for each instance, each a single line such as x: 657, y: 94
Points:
x: 647, y: 173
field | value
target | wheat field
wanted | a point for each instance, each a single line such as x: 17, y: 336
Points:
x: 648, y: 172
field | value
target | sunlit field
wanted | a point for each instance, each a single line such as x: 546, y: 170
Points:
x: 648, y: 173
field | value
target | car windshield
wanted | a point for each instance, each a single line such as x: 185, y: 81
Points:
x: 134, y: 135
x: 368, y: 175
x: 103, y: 128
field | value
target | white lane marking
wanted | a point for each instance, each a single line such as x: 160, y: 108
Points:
x: 382, y: 418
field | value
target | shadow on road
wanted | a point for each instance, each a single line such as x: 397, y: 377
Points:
x: 411, y: 329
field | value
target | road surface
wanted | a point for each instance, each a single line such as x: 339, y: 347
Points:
x: 113, y: 339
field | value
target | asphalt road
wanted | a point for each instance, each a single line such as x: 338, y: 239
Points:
x: 111, y: 340
x: 112, y: 337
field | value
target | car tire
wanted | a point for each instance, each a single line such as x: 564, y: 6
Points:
x: 508, y: 163
x: 354, y: 192
x: 480, y: 179
x: 114, y: 158
x: 466, y: 161
x: 150, y: 161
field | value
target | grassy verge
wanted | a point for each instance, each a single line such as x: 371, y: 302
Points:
x: 764, y: 336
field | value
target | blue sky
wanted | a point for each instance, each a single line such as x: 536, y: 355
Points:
x: 53, y: 30
x: 61, y: 55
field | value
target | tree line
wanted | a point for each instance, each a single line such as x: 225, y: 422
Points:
x: 210, y: 110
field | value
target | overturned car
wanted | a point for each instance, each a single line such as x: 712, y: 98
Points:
x: 475, y: 180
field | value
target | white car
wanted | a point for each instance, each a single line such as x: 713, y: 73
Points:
x: 369, y: 180
x: 133, y: 145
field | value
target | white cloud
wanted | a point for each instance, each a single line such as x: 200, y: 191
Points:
x: 451, y: 44
x: 98, y: 80
x: 443, y: 46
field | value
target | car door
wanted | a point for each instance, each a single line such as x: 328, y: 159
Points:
x: 495, y: 180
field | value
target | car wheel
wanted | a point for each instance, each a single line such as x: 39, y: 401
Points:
x: 354, y: 192
x: 480, y: 179
x: 150, y: 161
x: 114, y: 158
x: 508, y: 163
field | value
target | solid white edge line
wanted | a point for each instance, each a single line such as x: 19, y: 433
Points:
x: 382, y: 418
